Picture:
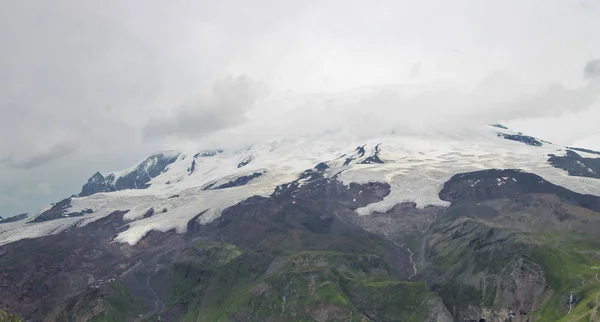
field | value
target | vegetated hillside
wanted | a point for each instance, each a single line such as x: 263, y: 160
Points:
x: 5, y: 317
x: 518, y: 253
x: 292, y: 256
x: 303, y: 254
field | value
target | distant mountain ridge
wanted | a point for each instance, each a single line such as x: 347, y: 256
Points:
x: 136, y: 178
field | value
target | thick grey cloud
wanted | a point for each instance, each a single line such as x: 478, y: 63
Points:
x: 39, y: 158
x: 41, y: 189
x: 592, y: 69
x: 87, y: 86
x: 230, y: 99
x: 414, y: 70
x: 413, y: 109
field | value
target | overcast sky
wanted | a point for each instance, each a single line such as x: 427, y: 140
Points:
x: 98, y: 85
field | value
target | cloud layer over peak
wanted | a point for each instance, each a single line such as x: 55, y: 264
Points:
x: 88, y: 86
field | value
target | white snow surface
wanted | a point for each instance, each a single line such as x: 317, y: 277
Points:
x: 416, y: 167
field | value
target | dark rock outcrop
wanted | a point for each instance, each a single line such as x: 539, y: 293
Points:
x: 361, y: 151
x: 529, y: 140
x: 192, y: 167
x: 209, y: 186
x: 13, y: 218
x: 205, y: 154
x: 137, y: 178
x: 98, y: 183
x: 493, y: 184
x: 244, y: 162
x: 210, y: 153
x: 374, y: 158
x: 149, y: 213
x: 500, y: 126
x: 576, y: 165
x: 321, y: 166
x: 309, y: 175
x: 60, y: 210
x: 240, y: 181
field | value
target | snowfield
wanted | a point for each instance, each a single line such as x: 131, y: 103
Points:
x: 415, y: 166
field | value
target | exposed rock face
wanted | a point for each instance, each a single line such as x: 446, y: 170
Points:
x: 500, y: 126
x: 244, y: 162
x: 13, y: 218
x: 452, y: 256
x: 205, y: 154
x: 192, y: 167
x: 529, y: 140
x: 493, y: 184
x: 137, y: 178
x: 98, y: 183
x: 240, y: 181
x: 148, y: 169
x: 577, y: 165
x: 483, y: 251
x: 359, y: 152
x: 210, y: 153
x: 322, y: 166
x: 60, y: 210
x: 374, y: 158
x: 475, y: 266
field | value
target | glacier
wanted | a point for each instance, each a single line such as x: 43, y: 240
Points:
x: 415, y: 166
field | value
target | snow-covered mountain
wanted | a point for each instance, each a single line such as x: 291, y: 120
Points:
x: 137, y: 177
x: 477, y: 224
x: 179, y: 185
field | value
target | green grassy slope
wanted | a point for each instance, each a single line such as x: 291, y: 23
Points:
x: 316, y: 285
x: 5, y: 317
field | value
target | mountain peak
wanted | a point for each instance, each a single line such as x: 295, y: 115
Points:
x: 137, y: 177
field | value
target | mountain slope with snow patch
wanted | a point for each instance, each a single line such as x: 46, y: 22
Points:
x: 181, y: 185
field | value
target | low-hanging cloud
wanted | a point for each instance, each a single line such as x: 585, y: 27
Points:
x: 41, y: 189
x: 408, y: 109
x: 414, y: 70
x: 230, y: 99
x: 38, y: 158
x: 592, y: 69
